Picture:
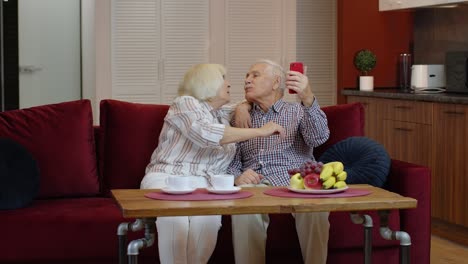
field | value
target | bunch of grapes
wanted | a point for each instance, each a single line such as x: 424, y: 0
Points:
x: 310, y: 166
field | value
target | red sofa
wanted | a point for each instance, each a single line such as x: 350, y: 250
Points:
x: 74, y: 220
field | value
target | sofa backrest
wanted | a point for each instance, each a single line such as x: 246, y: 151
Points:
x: 130, y: 133
x: 344, y: 121
x: 60, y: 138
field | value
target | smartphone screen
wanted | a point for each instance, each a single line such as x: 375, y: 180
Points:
x: 296, y: 66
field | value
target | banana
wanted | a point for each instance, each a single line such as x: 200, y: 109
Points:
x: 329, y: 163
x: 342, y: 176
x: 327, y: 172
x: 339, y: 185
x: 337, y: 166
x: 329, y: 183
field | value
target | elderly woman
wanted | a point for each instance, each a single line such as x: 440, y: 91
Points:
x: 196, y: 140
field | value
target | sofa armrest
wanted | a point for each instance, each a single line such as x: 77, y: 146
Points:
x: 414, y: 181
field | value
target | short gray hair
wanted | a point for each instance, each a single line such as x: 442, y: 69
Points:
x: 203, y: 81
x: 275, y: 69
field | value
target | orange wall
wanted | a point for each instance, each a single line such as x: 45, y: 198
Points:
x: 387, y: 34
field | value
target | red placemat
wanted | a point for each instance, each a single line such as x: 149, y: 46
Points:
x: 285, y: 192
x: 198, y: 195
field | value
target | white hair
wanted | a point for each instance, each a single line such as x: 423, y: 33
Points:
x: 275, y: 69
x: 203, y: 81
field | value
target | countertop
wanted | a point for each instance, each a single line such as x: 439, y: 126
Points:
x: 392, y: 93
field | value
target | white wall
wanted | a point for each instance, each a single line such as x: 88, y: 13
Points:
x: 96, y: 59
x: 88, y: 53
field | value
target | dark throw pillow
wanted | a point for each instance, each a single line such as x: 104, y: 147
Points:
x: 365, y: 160
x: 19, y: 176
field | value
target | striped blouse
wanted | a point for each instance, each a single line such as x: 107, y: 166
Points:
x: 189, y: 140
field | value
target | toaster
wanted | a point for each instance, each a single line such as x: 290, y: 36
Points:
x: 427, y: 76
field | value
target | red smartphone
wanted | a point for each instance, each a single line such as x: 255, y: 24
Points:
x: 296, y: 66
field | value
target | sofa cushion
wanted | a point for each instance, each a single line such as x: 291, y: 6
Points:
x: 62, y: 230
x: 131, y: 133
x: 365, y: 160
x: 19, y: 175
x: 346, y: 120
x: 60, y: 138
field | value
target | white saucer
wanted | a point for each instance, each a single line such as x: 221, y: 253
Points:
x: 223, y: 191
x: 314, y: 191
x: 172, y: 191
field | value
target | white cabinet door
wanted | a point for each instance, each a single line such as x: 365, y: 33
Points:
x: 154, y: 42
x: 136, y: 51
x: 185, y: 37
x: 254, y: 30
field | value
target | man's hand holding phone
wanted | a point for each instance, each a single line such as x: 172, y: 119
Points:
x: 299, y: 83
x: 296, y: 66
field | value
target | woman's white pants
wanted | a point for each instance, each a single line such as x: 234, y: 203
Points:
x: 184, y: 239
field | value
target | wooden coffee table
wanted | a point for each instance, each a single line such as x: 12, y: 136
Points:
x: 134, y: 204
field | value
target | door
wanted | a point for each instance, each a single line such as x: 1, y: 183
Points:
x: 49, y: 51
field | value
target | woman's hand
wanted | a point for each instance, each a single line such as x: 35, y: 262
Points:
x: 272, y: 128
x: 248, y: 177
x: 242, y: 116
x: 300, y: 84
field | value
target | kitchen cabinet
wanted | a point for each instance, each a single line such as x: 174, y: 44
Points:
x: 432, y: 134
x: 449, y: 181
x: 386, y: 5
x: 373, y: 116
x: 407, y: 130
x: 403, y: 127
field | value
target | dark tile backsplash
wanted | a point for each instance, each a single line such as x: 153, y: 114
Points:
x: 438, y: 30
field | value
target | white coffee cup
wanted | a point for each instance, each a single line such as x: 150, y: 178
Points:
x: 178, y: 182
x: 222, y: 181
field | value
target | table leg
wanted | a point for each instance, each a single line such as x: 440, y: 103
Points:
x: 403, y: 237
x: 366, y: 221
x: 134, y: 246
x: 122, y: 231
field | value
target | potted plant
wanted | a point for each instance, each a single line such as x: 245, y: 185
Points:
x: 365, y: 61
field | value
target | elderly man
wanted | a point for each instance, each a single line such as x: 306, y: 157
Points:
x: 265, y: 161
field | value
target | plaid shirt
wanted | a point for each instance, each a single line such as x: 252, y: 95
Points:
x: 306, y: 128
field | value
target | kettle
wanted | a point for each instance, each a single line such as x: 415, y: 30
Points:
x: 427, y: 76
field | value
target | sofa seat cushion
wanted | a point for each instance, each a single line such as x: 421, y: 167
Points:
x: 131, y: 133
x: 64, y: 229
x: 19, y: 176
x: 346, y: 120
x: 60, y: 138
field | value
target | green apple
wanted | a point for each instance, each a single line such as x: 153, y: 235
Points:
x: 296, y: 181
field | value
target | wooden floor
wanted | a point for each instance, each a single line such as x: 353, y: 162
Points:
x: 446, y: 252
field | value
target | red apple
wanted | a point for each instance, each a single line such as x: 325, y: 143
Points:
x: 312, y: 181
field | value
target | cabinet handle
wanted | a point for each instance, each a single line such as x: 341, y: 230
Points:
x: 403, y: 129
x: 404, y: 107
x: 454, y: 113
